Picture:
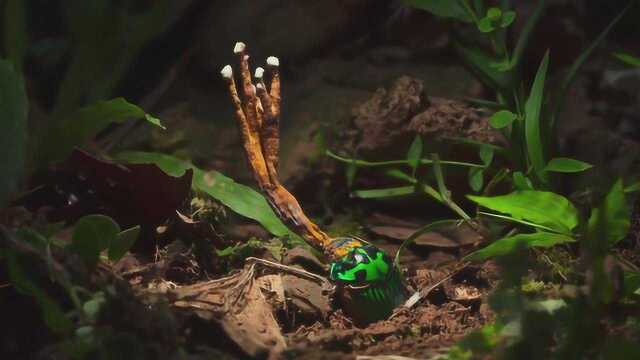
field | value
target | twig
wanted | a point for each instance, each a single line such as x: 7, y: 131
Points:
x: 419, y: 295
x: 289, y: 269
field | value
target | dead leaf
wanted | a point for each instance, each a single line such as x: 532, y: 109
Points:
x: 238, y: 304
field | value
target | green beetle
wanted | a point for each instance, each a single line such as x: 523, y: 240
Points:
x: 362, y: 265
x: 370, y: 282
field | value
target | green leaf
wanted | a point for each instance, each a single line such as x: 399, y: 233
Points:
x: 631, y: 283
x: 486, y: 155
x: 124, y: 241
x: 384, y: 193
x: 485, y: 25
x: 521, y: 182
x: 442, y: 8
x: 566, y: 165
x: 502, y: 118
x: 533, y: 119
x: 85, y: 123
x: 494, y: 14
x: 544, y: 208
x: 439, y: 173
x: 91, y: 235
x: 510, y: 244
x: 350, y: 172
x: 627, y: 59
x: 512, y: 219
x: 414, y: 154
x: 476, y: 179
x: 610, y: 221
x: 401, y: 175
x: 13, y: 130
x: 92, y: 307
x: 507, y: 19
x: 239, y: 198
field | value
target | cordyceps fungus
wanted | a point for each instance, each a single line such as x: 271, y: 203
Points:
x: 368, y: 284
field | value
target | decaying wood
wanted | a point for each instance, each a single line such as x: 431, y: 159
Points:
x: 258, y: 118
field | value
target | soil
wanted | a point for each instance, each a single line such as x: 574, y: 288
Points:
x: 270, y: 310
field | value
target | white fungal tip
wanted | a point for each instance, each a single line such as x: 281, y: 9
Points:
x: 240, y: 46
x: 227, y: 72
x: 260, y: 86
x: 259, y: 73
x: 273, y: 61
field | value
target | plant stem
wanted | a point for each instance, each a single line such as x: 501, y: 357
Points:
x: 398, y: 162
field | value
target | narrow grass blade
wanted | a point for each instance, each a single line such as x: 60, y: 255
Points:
x: 422, y: 230
x: 384, y: 193
x: 577, y: 64
x: 523, y: 40
x: 533, y: 120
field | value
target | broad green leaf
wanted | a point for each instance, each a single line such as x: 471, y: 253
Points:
x: 443, y: 8
x: 502, y: 118
x: 414, y: 154
x: 510, y: 244
x: 494, y: 14
x: 22, y: 280
x: 384, y: 193
x: 476, y: 179
x: 567, y: 165
x: 240, y: 198
x: 507, y: 19
x: 611, y: 220
x: 85, y: 123
x: 533, y: 119
x: 15, y: 32
x: 627, y: 59
x: 580, y: 60
x: 91, y: 235
x: 486, y: 155
x: 519, y: 221
x: 545, y: 208
x: 485, y: 25
x: 124, y: 241
x: 521, y: 182
x: 13, y: 130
